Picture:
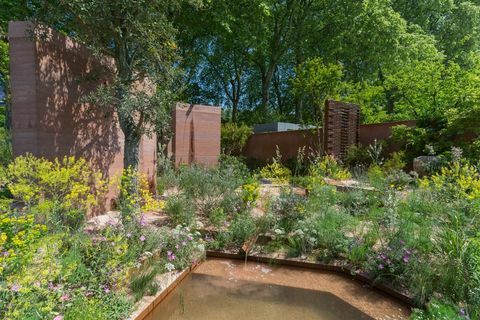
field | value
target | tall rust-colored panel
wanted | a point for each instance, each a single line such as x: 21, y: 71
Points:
x: 341, y: 127
x: 196, y: 134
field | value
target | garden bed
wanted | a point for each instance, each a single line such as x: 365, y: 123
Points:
x: 167, y: 283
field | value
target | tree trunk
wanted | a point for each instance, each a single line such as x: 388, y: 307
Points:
x: 299, y: 109
x: 131, y: 151
x: 266, y: 81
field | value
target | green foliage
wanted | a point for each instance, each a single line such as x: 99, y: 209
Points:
x: 234, y: 137
x: 85, y: 309
x: 250, y: 193
x: 180, y: 209
x: 326, y: 167
x: 242, y: 228
x: 317, y: 81
x: 276, y: 172
x: 455, y: 181
x: 58, y: 192
x: 395, y: 163
x: 357, y: 155
x: 17, y: 234
x: 437, y: 310
x: 287, y: 210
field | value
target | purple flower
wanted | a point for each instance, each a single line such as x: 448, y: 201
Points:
x: 383, y: 257
x: 142, y: 220
x: 190, y: 238
x: 16, y: 287
x: 142, y: 238
x: 170, y: 256
x: 6, y: 253
x: 462, y: 312
x: 381, y: 266
x: 406, y: 259
x: 106, y: 289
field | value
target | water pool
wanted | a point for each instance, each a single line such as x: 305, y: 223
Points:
x: 231, y: 290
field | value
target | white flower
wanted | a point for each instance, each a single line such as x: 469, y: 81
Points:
x: 170, y: 267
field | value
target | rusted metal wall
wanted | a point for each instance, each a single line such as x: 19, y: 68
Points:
x: 196, y: 134
x: 49, y: 77
x: 261, y: 147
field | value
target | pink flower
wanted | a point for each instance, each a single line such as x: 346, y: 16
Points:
x: 381, y: 266
x: 107, y: 289
x: 16, y: 287
x: 142, y: 238
x: 65, y: 297
x: 59, y: 317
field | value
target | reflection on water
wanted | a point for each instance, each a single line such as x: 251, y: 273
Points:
x: 209, y: 297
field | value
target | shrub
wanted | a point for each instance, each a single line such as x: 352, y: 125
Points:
x: 217, y: 217
x: 288, y: 209
x: 461, y: 181
x: 180, y: 209
x: 17, y: 234
x: 182, y: 247
x: 357, y: 155
x: 234, y: 168
x: 376, y: 176
x: 437, y: 310
x: 395, y: 162
x: 250, y: 193
x: 69, y: 182
x: 234, y: 137
x: 135, y: 196
x: 242, y: 228
x: 326, y: 167
x: 276, y: 172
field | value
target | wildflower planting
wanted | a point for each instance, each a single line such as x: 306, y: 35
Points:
x: 53, y: 266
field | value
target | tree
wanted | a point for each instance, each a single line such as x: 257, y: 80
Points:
x: 140, y: 38
x: 318, y: 81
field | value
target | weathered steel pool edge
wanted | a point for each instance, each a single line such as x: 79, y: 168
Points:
x: 345, y: 270
x: 144, y: 311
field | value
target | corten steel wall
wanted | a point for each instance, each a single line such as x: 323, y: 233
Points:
x: 262, y: 147
x: 49, y: 78
x: 381, y: 131
x: 196, y: 134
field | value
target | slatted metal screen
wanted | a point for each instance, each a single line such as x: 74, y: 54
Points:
x: 341, y: 127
